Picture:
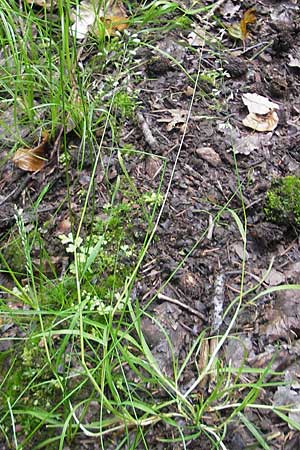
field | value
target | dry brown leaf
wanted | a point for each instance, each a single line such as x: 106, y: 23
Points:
x: 248, y: 17
x: 178, y: 118
x: 262, y: 116
x: 238, y: 30
x: 262, y: 123
x: 115, y: 18
x: 114, y: 23
x: 32, y: 159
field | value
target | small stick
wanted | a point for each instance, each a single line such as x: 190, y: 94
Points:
x: 218, y: 303
x: 147, y: 132
x: 217, y: 319
x: 211, y: 226
x: 183, y: 306
x: 213, y: 9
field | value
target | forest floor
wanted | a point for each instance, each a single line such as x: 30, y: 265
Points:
x: 149, y: 298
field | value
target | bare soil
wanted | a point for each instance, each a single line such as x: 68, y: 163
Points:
x: 213, y: 161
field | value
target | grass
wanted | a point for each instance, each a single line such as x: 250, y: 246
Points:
x: 79, y: 364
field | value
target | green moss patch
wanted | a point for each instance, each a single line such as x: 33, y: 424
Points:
x: 282, y: 204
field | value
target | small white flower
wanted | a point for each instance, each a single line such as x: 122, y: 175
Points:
x: 73, y: 244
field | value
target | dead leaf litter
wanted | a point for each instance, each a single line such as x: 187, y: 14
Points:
x: 225, y: 158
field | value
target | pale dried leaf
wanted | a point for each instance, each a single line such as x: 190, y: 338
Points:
x: 247, y: 144
x: 229, y: 9
x: 286, y: 396
x: 282, y: 318
x: 195, y: 40
x: 84, y: 18
x: 32, y: 159
x: 282, y: 16
x: 199, y: 36
x: 89, y: 14
x: 242, y: 143
x: 262, y: 123
x: 43, y: 3
x: 294, y: 62
x: 178, y: 118
x: 258, y: 104
x: 238, y: 350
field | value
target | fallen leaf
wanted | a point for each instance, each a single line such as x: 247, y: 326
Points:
x: 178, y: 118
x: 286, y: 396
x: 239, y: 30
x: 258, y: 104
x: 84, y: 18
x: 262, y: 123
x: 247, y: 144
x: 282, y: 16
x: 229, y: 9
x: 248, y: 17
x: 282, y: 317
x: 242, y: 142
x: 115, y: 19
x: 43, y: 3
x: 294, y: 62
x: 195, y: 39
x: 238, y: 350
x: 90, y: 14
x: 199, y: 37
x: 292, y: 272
x: 32, y: 159
x: 262, y: 116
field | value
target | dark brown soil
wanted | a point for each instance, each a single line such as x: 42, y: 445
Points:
x: 214, y: 166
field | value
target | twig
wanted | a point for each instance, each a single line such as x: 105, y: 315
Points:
x: 211, y: 226
x: 183, y: 306
x: 213, y: 9
x: 150, y: 139
x: 56, y: 145
x: 218, y: 303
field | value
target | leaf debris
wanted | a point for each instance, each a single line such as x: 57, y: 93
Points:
x: 32, y: 159
x: 239, y: 30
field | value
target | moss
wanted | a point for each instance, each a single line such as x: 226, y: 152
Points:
x: 282, y: 205
x: 13, y: 252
